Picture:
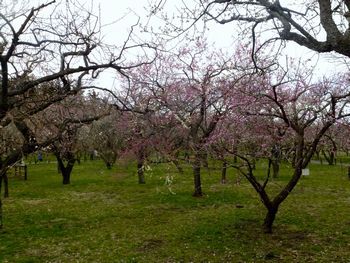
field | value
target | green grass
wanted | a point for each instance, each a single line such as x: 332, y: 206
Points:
x: 105, y: 216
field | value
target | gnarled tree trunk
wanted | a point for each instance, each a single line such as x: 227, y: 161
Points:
x: 329, y: 156
x: 223, y: 171
x: 140, y: 171
x: 196, y: 167
x: 1, y: 223
x: 6, y: 185
x: 276, y: 160
x: 178, y: 166
x: 65, y: 170
x: 140, y: 166
x: 275, y: 168
x: 269, y: 219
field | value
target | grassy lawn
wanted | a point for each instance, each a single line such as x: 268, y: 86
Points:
x: 105, y: 216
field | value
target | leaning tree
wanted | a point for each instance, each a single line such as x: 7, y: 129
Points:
x: 300, y: 111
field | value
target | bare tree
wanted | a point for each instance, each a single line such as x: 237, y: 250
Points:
x: 319, y: 25
x: 301, y: 23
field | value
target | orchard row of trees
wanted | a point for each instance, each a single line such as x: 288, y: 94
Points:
x: 199, y: 104
x: 192, y: 102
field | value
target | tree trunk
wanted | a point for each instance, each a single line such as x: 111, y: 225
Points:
x: 178, y: 166
x: 175, y: 160
x: 269, y: 219
x: 197, y: 177
x: 275, y: 168
x: 109, y: 165
x: 319, y: 157
x: 235, y: 152
x: 1, y: 210
x: 272, y: 207
x: 294, y: 160
x: 253, y: 164
x: 2, y: 171
x: 66, y: 177
x: 276, y: 159
x: 235, y: 159
x: 65, y: 170
x: 187, y: 157
x: 6, y: 185
x: 140, y: 171
x: 223, y: 171
x: 141, y: 156
x: 204, y: 159
x: 1, y: 223
x: 329, y: 158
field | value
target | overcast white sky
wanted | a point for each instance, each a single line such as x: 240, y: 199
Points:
x: 126, y: 13
x: 223, y: 36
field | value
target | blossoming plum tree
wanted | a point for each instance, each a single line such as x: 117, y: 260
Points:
x: 192, y: 86
x: 296, y: 109
x: 58, y: 127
